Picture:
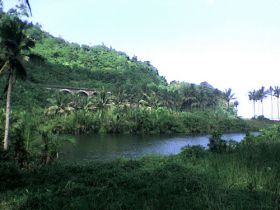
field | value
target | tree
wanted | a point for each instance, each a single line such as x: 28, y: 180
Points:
x: 277, y: 94
x: 15, y: 49
x: 270, y: 91
x: 261, y: 94
x: 228, y: 96
x: 24, y: 3
x: 236, y: 103
x: 253, y: 96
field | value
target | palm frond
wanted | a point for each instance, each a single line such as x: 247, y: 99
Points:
x: 36, y: 58
x: 19, y: 68
x: 3, y: 67
x: 29, y: 43
x: 28, y: 5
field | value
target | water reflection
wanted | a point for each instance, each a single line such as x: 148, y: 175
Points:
x: 108, y: 147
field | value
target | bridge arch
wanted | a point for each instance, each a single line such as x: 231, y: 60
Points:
x: 83, y: 93
x: 94, y: 93
x: 66, y: 91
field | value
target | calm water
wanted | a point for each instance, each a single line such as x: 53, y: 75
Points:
x: 108, y: 147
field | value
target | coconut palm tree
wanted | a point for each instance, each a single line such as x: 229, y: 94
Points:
x: 236, y: 103
x: 270, y: 92
x: 15, y: 47
x: 253, y: 97
x: 228, y: 96
x: 261, y: 95
x: 25, y: 4
x: 277, y: 95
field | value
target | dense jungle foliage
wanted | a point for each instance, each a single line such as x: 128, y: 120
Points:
x: 102, y: 68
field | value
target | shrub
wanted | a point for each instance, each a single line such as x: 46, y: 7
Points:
x: 11, y: 177
x: 196, y: 151
x: 218, y: 145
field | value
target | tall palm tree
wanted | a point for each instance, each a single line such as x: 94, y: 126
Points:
x: 253, y: 97
x: 228, y: 96
x: 15, y: 47
x: 270, y: 92
x: 261, y: 95
x: 26, y: 2
x: 23, y: 2
x: 236, y: 103
x: 277, y: 95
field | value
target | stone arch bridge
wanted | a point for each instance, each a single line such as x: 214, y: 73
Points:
x: 73, y: 90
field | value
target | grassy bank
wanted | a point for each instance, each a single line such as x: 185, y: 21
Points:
x: 244, y: 176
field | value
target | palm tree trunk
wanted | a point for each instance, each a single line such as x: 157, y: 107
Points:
x: 258, y: 108
x: 8, y: 111
x: 278, y: 107
x: 254, y: 103
x: 271, y: 106
x: 262, y: 107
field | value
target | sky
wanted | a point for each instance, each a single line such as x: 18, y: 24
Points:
x: 228, y: 43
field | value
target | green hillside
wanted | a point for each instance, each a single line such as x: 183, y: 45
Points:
x: 94, y: 67
x: 100, y: 67
x: 131, y: 95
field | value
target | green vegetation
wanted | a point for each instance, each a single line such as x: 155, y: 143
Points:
x: 261, y: 94
x: 240, y: 176
x: 131, y: 98
x: 15, y: 49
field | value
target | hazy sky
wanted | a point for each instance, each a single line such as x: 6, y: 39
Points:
x: 228, y: 43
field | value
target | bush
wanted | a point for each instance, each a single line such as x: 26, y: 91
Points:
x: 218, y: 145
x: 196, y: 151
x: 10, y: 177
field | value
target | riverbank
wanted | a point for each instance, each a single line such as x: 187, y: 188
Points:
x: 243, y: 177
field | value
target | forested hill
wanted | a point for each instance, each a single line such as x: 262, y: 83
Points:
x: 95, y: 67
x: 103, y: 68
x: 131, y: 95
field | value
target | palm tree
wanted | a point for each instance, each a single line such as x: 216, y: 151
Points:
x: 270, y: 91
x: 236, y: 103
x: 25, y: 4
x: 261, y: 94
x: 253, y: 96
x: 228, y: 96
x: 15, y: 46
x: 277, y: 94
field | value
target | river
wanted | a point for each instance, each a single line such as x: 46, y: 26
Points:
x: 109, y: 147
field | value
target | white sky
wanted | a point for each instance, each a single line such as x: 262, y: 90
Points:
x: 228, y: 43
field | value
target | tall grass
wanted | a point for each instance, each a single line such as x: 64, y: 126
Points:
x: 246, y: 178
